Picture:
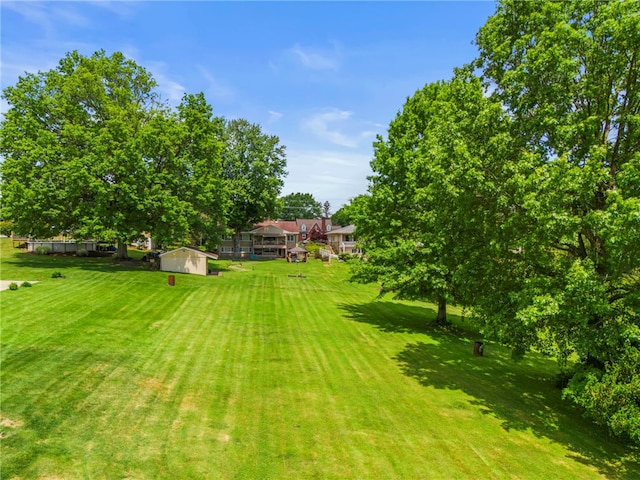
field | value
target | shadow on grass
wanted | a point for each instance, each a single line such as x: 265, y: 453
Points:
x: 521, y: 395
x: 25, y: 259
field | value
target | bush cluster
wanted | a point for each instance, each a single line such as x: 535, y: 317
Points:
x: 43, y: 250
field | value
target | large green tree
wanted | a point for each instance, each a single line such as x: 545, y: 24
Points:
x: 345, y: 215
x: 89, y: 150
x: 567, y: 74
x: 253, y: 168
x: 187, y: 198
x: 70, y: 142
x: 299, y: 205
x: 434, y: 190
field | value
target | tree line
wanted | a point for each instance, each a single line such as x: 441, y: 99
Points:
x: 89, y: 149
x: 513, y: 189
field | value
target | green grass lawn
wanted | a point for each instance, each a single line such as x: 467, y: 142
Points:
x: 111, y: 373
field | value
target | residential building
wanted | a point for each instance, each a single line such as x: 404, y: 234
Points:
x: 265, y: 241
x: 343, y: 240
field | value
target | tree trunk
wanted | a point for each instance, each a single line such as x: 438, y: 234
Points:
x: 441, y: 318
x: 237, y: 237
x: 121, y: 253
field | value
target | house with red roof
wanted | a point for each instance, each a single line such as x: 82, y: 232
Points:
x: 275, y: 238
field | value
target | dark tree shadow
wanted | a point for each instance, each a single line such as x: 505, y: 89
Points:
x: 101, y: 264
x: 522, y: 395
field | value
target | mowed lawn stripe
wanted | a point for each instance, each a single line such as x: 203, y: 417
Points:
x: 256, y: 374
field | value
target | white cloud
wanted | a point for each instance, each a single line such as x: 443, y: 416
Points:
x: 216, y: 89
x: 169, y: 88
x: 49, y: 15
x: 120, y: 8
x: 316, y: 59
x: 331, y: 125
x: 172, y: 90
x: 333, y: 175
x: 274, y: 116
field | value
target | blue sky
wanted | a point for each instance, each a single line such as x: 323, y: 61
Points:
x: 325, y: 77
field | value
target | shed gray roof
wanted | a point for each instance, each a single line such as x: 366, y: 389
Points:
x: 206, y: 254
x: 348, y: 230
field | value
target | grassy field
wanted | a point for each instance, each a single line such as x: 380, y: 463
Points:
x: 111, y: 373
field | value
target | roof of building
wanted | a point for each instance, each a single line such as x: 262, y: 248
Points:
x: 206, y: 254
x: 271, y: 229
x: 308, y: 223
x: 348, y: 230
x: 286, y: 225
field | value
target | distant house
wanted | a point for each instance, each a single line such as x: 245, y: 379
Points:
x: 186, y: 260
x: 307, y: 229
x: 275, y: 238
x: 268, y: 240
x: 343, y: 240
x: 271, y: 241
x: 313, y: 229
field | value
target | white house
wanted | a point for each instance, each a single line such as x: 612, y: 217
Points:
x: 343, y: 240
x: 186, y: 260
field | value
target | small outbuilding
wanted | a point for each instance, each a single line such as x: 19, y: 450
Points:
x: 186, y: 260
x: 297, y: 254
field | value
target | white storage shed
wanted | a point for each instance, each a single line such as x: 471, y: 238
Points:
x: 186, y: 260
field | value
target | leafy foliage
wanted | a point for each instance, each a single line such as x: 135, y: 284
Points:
x: 6, y: 227
x: 43, y: 250
x: 70, y: 142
x: 433, y: 190
x: 524, y: 203
x: 253, y: 169
x: 345, y: 215
x: 567, y: 74
x: 89, y: 149
x: 299, y: 205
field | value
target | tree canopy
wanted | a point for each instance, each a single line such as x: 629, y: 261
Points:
x: 567, y: 74
x: 89, y: 150
x: 254, y: 167
x: 70, y: 142
x: 519, y: 197
x: 345, y: 215
x: 299, y: 205
x: 433, y: 192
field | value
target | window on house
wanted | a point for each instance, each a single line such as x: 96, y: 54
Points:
x: 246, y: 237
x: 304, y: 235
x: 328, y: 227
x: 291, y: 238
x: 226, y: 249
x: 303, y: 228
x: 245, y: 249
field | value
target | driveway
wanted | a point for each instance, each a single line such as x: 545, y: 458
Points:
x: 4, y: 284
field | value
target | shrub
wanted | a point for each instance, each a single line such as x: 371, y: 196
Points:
x: 56, y: 275
x: 82, y: 252
x: 43, y: 250
x: 13, y: 286
x: 6, y: 227
x: 346, y: 256
x: 26, y: 284
x: 312, y: 248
